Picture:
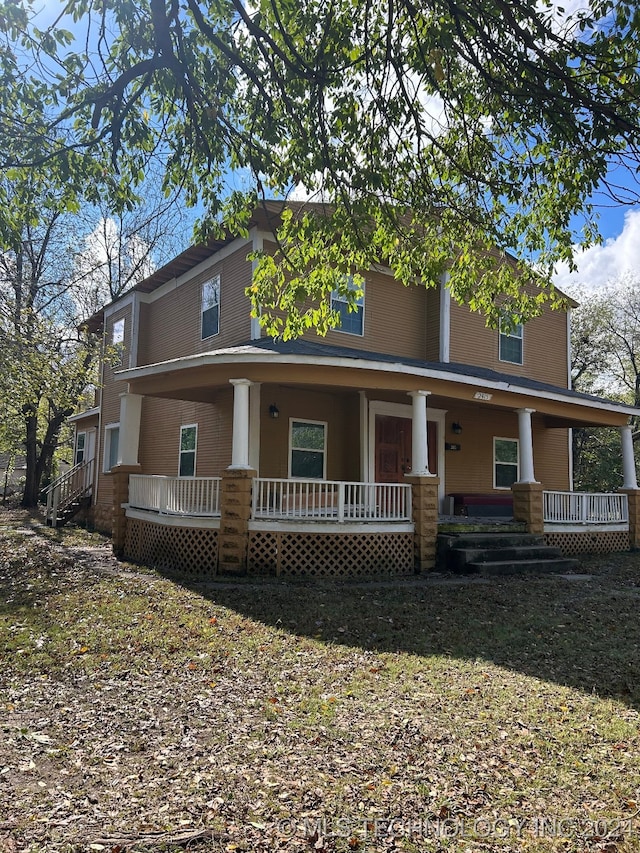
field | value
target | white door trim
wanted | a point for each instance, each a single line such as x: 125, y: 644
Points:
x: 405, y: 410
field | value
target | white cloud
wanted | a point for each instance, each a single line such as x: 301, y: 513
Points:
x: 111, y: 262
x: 601, y: 264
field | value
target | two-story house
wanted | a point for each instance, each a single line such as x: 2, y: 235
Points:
x: 215, y: 447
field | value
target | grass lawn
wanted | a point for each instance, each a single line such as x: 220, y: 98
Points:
x: 140, y: 714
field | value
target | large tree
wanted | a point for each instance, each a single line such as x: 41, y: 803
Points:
x: 606, y: 362
x: 56, y: 269
x: 442, y: 135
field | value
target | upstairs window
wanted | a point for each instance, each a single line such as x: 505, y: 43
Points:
x: 211, y: 307
x: 117, y: 340
x: 308, y: 443
x: 505, y: 462
x: 351, y: 321
x: 188, y: 442
x: 511, y: 342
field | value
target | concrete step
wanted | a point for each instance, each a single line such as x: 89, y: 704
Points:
x: 491, y: 540
x: 479, y: 541
x: 457, y: 525
x: 520, y: 567
x: 459, y: 558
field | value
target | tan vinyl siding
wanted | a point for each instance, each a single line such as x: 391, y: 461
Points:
x: 125, y: 313
x: 110, y: 398
x: 551, y: 457
x: 160, y: 434
x: 341, y: 413
x: 395, y: 319
x: 470, y: 469
x: 85, y: 424
x: 171, y: 325
x: 544, y: 345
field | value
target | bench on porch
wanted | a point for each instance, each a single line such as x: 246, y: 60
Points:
x: 485, y: 505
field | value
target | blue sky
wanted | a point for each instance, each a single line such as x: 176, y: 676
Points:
x: 598, y: 265
x: 618, y: 254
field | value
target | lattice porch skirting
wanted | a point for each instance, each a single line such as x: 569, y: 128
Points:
x: 589, y: 542
x: 184, y: 550
x: 330, y: 555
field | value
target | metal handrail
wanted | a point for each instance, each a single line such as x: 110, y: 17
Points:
x: 68, y: 487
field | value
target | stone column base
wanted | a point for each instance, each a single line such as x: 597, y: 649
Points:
x: 235, y: 511
x: 633, y: 499
x: 527, y: 506
x: 424, y: 502
x: 120, y: 476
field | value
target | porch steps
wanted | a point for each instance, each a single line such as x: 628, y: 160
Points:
x: 499, y: 554
x: 460, y: 525
x: 69, y: 510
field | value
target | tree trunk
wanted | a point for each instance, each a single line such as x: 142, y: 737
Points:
x: 32, y: 484
x: 38, y: 463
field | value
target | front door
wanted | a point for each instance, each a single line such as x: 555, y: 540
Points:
x: 90, y: 450
x: 393, y: 448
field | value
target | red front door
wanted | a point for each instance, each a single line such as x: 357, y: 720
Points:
x: 432, y: 441
x: 393, y: 448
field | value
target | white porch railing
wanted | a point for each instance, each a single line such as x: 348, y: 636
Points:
x: 330, y: 500
x: 68, y: 488
x: 175, y: 495
x: 585, y: 508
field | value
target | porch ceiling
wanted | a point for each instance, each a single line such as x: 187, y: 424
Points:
x: 300, y: 363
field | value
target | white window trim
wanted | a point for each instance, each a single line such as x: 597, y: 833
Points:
x: 83, y: 433
x: 325, y: 425
x: 509, y: 334
x: 118, y: 345
x: 495, y: 461
x: 180, y: 451
x: 107, y: 445
x: 207, y: 281
x: 361, y: 309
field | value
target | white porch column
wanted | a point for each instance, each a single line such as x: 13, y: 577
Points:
x: 526, y: 446
x: 240, y: 439
x: 419, y: 446
x: 630, y: 480
x: 129, y: 434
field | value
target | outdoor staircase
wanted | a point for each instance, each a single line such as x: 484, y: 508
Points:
x: 69, y: 493
x: 69, y: 510
x: 508, y: 552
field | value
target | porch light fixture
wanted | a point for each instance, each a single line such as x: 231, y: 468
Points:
x: 274, y: 411
x: 456, y: 428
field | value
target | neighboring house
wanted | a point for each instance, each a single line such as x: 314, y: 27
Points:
x: 331, y: 455
x: 13, y: 470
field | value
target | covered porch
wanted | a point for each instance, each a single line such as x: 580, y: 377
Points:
x: 387, y: 443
